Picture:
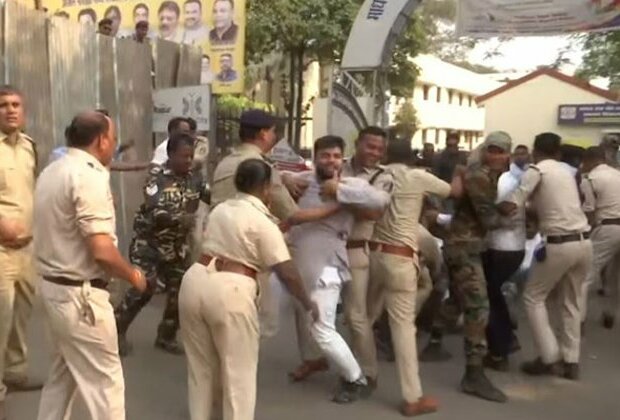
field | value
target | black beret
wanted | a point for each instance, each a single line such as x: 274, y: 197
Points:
x: 257, y: 118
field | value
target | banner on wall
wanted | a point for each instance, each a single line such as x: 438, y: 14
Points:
x: 485, y: 18
x: 217, y: 26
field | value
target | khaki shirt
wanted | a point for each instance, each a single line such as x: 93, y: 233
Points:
x: 399, y: 224
x: 282, y: 204
x: 601, y: 188
x: 242, y: 230
x: 72, y: 201
x: 382, y: 183
x: 17, y: 177
x: 554, y: 194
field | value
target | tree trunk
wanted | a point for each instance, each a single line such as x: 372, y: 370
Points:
x: 291, y: 97
x: 299, y: 112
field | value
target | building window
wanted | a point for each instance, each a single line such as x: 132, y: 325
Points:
x: 438, y: 94
x: 450, y: 96
x: 425, y: 89
x: 424, y: 135
x: 471, y: 100
x: 437, y: 133
x: 461, y: 98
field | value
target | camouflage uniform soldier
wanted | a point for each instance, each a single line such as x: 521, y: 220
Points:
x: 475, y: 215
x: 160, y: 247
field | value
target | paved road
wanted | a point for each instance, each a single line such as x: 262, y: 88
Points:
x: 156, y: 383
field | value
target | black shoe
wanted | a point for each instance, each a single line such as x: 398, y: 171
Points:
x: 608, y: 321
x: 434, y: 352
x: 498, y: 363
x: 571, y: 371
x: 538, y: 368
x: 477, y: 384
x: 124, y: 347
x: 169, y: 346
x: 349, y: 392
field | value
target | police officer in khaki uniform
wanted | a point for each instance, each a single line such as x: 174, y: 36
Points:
x: 17, y: 177
x: 75, y: 249
x: 394, y: 270
x: 369, y: 150
x: 219, y: 321
x: 601, y: 189
x: 562, y: 264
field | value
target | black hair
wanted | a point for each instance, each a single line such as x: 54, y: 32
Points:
x: 142, y: 23
x: 251, y: 175
x: 522, y: 146
x: 88, y: 12
x: 453, y: 135
x: 571, y: 154
x: 62, y: 13
x: 85, y: 128
x: 170, y: 5
x: 549, y: 144
x: 113, y: 9
x: 105, y: 21
x: 198, y: 2
x: 594, y: 153
x: 193, y: 125
x: 177, y: 140
x: 329, y: 142
x: 174, y: 123
x: 9, y: 90
x: 372, y: 131
x: 399, y: 151
x: 140, y: 6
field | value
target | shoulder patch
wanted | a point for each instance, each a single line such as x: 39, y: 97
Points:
x: 151, y: 190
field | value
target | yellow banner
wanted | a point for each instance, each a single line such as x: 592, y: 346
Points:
x: 217, y: 26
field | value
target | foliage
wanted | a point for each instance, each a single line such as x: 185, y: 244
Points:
x: 602, y: 56
x: 406, y: 120
x: 231, y: 104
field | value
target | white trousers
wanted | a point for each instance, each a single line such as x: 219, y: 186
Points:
x: 85, y: 346
x: 331, y: 343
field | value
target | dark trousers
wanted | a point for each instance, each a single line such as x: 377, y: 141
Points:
x: 498, y: 267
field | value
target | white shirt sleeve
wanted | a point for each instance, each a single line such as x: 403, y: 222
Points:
x: 357, y: 191
x: 161, y: 154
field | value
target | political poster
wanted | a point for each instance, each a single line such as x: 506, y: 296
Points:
x: 487, y: 18
x: 189, y: 101
x: 217, y: 26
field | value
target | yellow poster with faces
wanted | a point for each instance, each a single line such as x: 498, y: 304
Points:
x: 217, y: 26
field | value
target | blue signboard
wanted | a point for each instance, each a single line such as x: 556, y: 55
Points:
x: 587, y: 114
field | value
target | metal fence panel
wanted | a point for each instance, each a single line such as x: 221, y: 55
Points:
x: 166, y: 64
x: 106, y: 76
x: 190, y: 59
x: 73, y: 70
x: 135, y: 106
x: 27, y: 68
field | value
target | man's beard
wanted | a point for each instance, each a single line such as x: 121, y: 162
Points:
x: 323, y: 174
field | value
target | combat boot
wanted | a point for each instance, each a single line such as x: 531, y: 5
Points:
x: 476, y: 383
x: 166, y: 340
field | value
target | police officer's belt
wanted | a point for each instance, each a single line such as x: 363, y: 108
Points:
x: 561, y: 239
x: 223, y: 265
x: 353, y: 244
x: 611, y: 222
x: 62, y: 281
x: 403, y: 251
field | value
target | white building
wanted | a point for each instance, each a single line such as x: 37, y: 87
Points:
x: 547, y: 100
x: 444, y: 99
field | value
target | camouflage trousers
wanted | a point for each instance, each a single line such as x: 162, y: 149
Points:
x: 469, y: 283
x: 154, y: 267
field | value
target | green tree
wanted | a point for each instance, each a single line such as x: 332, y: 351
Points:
x: 602, y: 56
x: 406, y: 120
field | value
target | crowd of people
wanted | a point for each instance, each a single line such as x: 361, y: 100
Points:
x: 389, y: 234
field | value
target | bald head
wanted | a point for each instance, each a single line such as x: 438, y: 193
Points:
x: 85, y: 128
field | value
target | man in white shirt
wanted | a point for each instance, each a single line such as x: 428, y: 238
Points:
x: 175, y: 125
x: 506, y: 249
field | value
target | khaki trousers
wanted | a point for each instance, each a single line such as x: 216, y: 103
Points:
x: 17, y: 292
x: 219, y: 328
x: 356, y: 310
x: 84, y: 342
x: 308, y: 348
x: 606, y: 250
x: 565, y: 268
x: 394, y: 280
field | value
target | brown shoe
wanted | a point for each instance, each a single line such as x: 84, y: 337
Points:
x: 308, y: 368
x: 425, y: 405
